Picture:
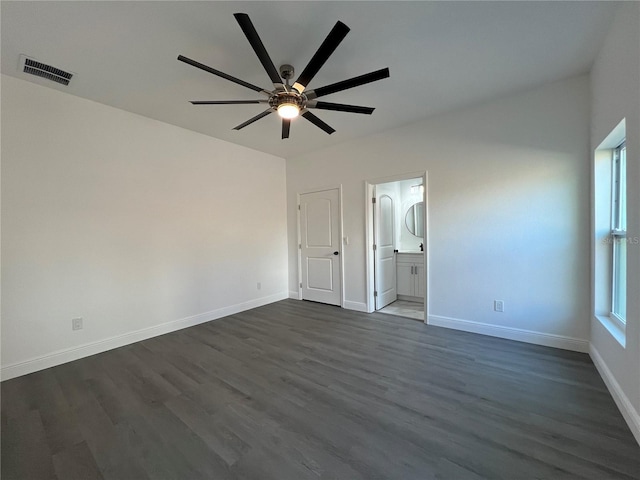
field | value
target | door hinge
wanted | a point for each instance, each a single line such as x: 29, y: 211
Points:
x: 373, y: 200
x: 374, y: 247
x: 300, y: 285
x: 375, y: 294
x: 298, y: 207
x: 300, y: 246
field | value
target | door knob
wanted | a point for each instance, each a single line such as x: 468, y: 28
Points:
x: 335, y: 253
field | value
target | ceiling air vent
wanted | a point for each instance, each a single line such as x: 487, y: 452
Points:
x: 34, y: 67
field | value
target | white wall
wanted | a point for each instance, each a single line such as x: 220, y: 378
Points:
x: 615, y: 94
x: 137, y: 226
x: 508, y: 210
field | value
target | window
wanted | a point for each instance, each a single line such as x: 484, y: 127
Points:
x: 619, y: 234
x: 610, y: 240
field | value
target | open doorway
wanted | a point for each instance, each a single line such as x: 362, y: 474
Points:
x: 397, y: 240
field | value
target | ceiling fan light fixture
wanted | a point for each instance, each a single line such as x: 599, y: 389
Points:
x: 288, y: 110
x: 289, y: 101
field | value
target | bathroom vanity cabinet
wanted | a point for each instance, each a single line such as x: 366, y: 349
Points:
x: 410, y: 276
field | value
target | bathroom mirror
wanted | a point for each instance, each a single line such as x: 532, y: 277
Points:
x: 414, y: 219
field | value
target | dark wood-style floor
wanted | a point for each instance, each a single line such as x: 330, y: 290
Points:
x: 297, y: 390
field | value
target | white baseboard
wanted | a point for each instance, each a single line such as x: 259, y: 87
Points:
x: 69, y: 354
x: 294, y: 294
x: 528, y: 336
x: 357, y: 306
x: 630, y: 414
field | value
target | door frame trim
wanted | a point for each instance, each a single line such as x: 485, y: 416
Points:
x: 340, y: 228
x: 369, y: 267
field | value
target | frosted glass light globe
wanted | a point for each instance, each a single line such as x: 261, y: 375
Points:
x: 288, y: 110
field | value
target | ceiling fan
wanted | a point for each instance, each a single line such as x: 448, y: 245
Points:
x: 292, y: 100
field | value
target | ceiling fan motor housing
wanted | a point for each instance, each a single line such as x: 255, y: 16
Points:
x: 286, y: 71
x: 289, y: 98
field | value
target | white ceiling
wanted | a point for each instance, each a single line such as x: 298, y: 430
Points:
x: 442, y: 56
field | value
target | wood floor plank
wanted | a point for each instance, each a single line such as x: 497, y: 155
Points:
x: 222, y: 441
x: 76, y: 463
x: 25, y: 453
x: 300, y: 390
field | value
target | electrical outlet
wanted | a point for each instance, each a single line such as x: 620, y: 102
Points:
x: 498, y: 305
x: 259, y: 285
x: 76, y: 323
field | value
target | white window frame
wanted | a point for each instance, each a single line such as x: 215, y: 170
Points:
x: 618, y: 236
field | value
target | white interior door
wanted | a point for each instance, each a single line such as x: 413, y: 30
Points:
x: 320, y: 246
x: 384, y: 253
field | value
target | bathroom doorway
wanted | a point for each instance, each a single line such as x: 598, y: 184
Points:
x: 397, y: 252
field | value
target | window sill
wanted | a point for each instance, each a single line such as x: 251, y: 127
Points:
x: 614, y: 327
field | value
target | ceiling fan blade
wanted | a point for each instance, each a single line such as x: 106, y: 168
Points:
x: 350, y: 83
x: 286, y: 126
x: 206, y: 68
x: 336, y: 35
x: 340, y: 107
x: 254, y: 39
x: 317, y: 122
x: 226, y: 102
x: 253, y: 119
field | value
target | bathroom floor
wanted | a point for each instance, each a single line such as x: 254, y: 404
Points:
x: 403, y: 308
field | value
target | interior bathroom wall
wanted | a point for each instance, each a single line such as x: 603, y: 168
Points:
x: 407, y: 241
x: 404, y: 197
